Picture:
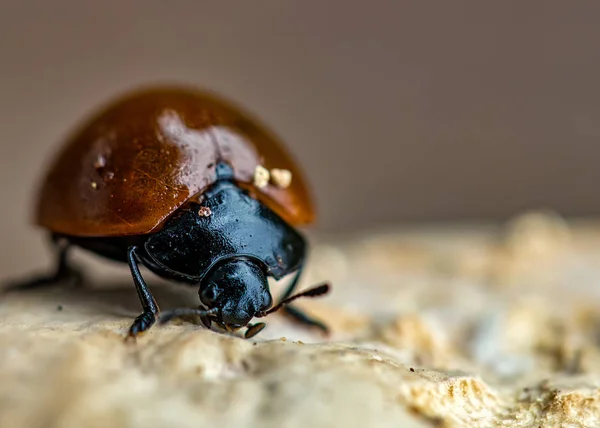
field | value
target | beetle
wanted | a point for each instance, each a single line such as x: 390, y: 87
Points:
x: 191, y: 186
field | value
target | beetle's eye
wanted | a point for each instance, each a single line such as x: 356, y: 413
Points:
x: 210, y: 294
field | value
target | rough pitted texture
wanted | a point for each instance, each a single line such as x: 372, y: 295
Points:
x: 474, y: 326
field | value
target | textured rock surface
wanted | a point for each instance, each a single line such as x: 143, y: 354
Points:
x: 463, y: 326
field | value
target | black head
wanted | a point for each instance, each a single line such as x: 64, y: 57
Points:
x: 237, y: 290
x: 234, y: 292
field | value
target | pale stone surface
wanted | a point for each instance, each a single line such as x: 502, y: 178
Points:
x: 453, y: 326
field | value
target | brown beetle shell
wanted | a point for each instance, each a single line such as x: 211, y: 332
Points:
x: 134, y: 163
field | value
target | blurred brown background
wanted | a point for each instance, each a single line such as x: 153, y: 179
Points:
x: 399, y: 111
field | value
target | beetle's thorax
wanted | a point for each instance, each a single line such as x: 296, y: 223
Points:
x: 227, y: 224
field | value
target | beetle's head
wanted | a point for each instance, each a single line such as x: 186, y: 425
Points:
x: 236, y: 290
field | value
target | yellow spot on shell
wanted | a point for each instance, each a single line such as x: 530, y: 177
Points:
x: 261, y: 176
x: 282, y: 178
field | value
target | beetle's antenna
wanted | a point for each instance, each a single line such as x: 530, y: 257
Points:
x: 316, y: 291
x: 165, y: 317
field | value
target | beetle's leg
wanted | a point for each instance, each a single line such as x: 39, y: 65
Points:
x: 64, y: 272
x: 296, y: 313
x: 148, y: 317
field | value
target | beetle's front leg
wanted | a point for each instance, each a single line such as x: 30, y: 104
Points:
x: 144, y: 321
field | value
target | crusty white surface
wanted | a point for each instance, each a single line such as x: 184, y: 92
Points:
x: 453, y: 326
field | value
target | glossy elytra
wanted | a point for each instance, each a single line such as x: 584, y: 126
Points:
x: 174, y: 178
